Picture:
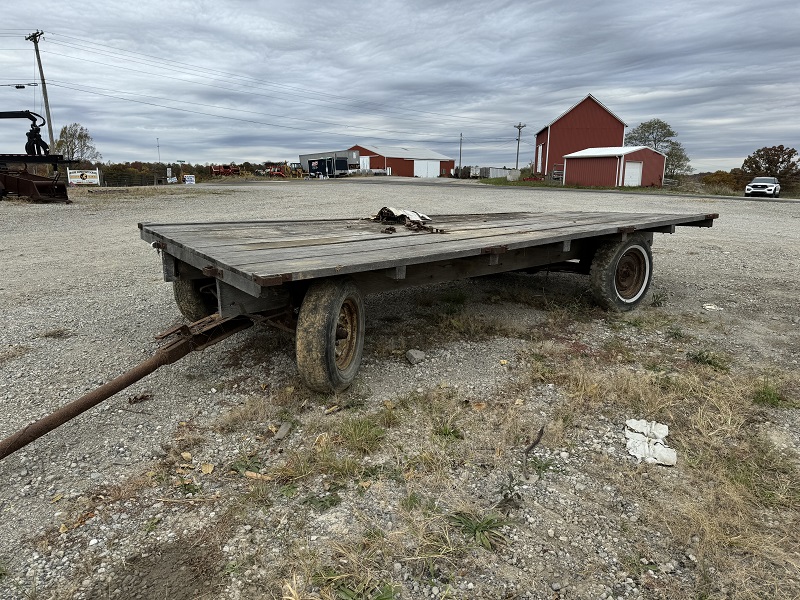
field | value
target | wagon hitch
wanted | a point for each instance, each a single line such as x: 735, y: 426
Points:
x: 185, y: 339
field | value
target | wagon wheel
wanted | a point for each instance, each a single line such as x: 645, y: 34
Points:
x: 621, y: 273
x: 330, y: 335
x: 194, y: 298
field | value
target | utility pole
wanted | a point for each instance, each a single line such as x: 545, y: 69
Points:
x: 157, y: 170
x: 519, y: 136
x: 34, y: 37
x: 460, y: 143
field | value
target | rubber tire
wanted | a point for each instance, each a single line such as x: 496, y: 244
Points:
x: 608, y: 263
x: 746, y: 195
x: 776, y: 195
x: 193, y: 304
x: 324, y: 304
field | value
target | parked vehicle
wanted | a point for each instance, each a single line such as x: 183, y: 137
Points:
x: 768, y: 186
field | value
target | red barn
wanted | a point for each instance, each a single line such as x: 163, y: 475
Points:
x: 588, y: 124
x: 405, y: 162
x: 616, y: 166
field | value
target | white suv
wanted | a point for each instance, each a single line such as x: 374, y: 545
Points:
x: 768, y: 186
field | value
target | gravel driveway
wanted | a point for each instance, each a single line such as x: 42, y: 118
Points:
x: 83, y: 297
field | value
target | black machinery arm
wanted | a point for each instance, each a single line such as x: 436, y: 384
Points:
x: 22, y: 114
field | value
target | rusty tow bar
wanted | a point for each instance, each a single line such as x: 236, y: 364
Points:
x: 187, y: 338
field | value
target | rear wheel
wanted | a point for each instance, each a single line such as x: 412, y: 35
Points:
x: 621, y: 273
x: 195, y: 297
x: 330, y: 335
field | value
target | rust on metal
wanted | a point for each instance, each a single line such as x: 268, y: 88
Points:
x: 272, y: 280
x: 212, y: 271
x: 197, y: 336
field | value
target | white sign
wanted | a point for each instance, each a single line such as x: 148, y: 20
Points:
x: 83, y: 177
x: 172, y: 180
x: 188, y: 179
x: 169, y: 172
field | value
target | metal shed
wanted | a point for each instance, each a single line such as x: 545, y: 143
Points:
x: 615, y: 166
x: 405, y: 162
x: 332, y: 163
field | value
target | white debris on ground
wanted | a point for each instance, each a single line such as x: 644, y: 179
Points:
x: 646, y: 442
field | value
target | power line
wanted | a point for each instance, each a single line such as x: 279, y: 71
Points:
x: 360, y: 102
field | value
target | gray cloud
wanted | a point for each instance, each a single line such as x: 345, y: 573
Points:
x: 270, y: 80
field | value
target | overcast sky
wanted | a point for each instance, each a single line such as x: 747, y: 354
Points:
x: 214, y: 82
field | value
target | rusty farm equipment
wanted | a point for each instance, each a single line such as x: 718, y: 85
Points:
x: 14, y: 175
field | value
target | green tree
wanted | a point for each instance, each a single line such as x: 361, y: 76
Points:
x: 654, y: 133
x: 75, y: 143
x: 677, y: 161
x: 658, y: 135
x: 774, y: 161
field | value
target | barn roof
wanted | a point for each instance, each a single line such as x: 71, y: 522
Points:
x: 609, y: 151
x: 566, y: 112
x: 405, y: 152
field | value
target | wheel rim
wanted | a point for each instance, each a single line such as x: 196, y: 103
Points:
x: 633, y: 270
x: 346, y: 334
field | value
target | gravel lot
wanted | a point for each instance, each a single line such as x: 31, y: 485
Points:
x: 83, y: 296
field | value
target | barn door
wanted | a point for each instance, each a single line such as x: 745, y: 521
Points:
x: 633, y: 174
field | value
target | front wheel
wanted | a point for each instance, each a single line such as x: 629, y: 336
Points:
x: 330, y: 335
x: 621, y: 273
x: 196, y: 298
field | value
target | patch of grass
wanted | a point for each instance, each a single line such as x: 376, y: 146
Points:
x: 769, y: 393
x: 187, y: 487
x: 676, y: 333
x: 484, y: 531
x: 263, y: 408
x: 715, y: 360
x: 658, y: 299
x: 324, y: 501
x: 445, y: 428
x: 246, y: 462
x: 361, y: 434
x: 152, y: 524
x: 298, y: 465
x: 463, y: 326
x: 412, y: 501
x: 354, y: 578
x: 261, y: 494
x: 540, y: 465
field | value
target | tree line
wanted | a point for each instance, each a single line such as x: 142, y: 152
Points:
x: 75, y: 143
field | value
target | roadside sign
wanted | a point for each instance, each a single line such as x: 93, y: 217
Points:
x: 83, y: 177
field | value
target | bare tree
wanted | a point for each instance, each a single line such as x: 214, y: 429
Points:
x: 75, y: 143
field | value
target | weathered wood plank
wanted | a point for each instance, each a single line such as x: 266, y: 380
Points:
x: 280, y: 250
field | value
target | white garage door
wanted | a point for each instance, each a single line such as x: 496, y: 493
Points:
x: 364, y: 163
x: 633, y: 173
x: 426, y: 168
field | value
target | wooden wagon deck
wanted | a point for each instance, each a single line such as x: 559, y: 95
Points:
x: 253, y: 254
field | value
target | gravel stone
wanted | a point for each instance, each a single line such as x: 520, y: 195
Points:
x: 86, y: 514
